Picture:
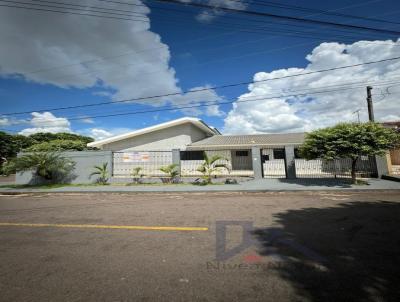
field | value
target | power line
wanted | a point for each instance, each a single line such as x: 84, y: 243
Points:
x: 82, y: 6
x: 213, y: 103
x: 360, y: 84
x: 276, y: 16
x: 31, y: 7
x: 129, y: 13
x: 206, y: 88
x: 69, y: 6
x: 70, y: 13
x: 295, y: 93
x: 293, y: 34
x: 313, y: 10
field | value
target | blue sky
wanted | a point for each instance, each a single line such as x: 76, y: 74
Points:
x: 44, y: 65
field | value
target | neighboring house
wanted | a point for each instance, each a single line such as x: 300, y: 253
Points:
x: 394, y: 154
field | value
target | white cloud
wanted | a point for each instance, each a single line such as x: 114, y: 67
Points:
x: 207, y: 16
x: 124, y: 60
x: 8, y: 121
x: 103, y: 93
x: 87, y: 120
x: 303, y: 113
x: 46, y: 122
x: 214, y: 110
x: 194, y: 98
x: 4, y: 122
x: 99, y: 134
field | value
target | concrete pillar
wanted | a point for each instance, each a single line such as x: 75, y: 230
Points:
x: 289, y: 162
x: 176, y: 159
x: 382, y: 165
x: 389, y: 162
x: 257, y: 163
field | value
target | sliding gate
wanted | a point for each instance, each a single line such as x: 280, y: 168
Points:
x: 273, y: 163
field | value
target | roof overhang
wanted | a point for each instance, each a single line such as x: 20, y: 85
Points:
x: 194, y: 121
x: 239, y: 146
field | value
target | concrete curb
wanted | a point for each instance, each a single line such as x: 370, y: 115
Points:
x: 391, y: 177
x: 20, y: 192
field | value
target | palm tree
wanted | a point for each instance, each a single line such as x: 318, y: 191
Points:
x: 172, y: 172
x: 136, y: 175
x: 102, y: 171
x: 47, y: 165
x: 210, y: 165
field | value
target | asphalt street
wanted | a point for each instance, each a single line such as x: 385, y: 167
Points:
x: 294, y: 246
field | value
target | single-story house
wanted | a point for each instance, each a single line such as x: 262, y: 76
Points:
x: 192, y: 137
x: 187, y: 139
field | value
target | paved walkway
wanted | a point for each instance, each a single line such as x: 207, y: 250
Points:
x: 261, y: 185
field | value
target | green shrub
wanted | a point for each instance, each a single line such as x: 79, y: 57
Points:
x: 210, y: 166
x: 102, y: 172
x: 50, y: 166
x: 172, y: 172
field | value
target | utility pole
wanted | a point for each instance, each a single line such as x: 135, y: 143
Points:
x: 358, y: 114
x: 370, y: 106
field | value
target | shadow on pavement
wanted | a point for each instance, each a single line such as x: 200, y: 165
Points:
x: 325, y: 182
x: 345, y: 253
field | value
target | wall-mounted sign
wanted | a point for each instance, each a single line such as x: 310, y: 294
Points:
x: 135, y: 157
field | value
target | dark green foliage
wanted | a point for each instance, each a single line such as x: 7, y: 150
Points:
x: 49, y: 166
x: 349, y: 140
x: 38, y: 138
x: 10, y: 145
x: 59, y: 145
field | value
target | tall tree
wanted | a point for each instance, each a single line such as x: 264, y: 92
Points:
x: 349, y: 140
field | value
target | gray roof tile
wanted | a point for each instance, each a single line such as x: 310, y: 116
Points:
x: 250, y: 140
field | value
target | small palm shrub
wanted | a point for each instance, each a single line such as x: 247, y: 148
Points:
x: 210, y: 166
x: 136, y: 175
x: 172, y: 172
x: 102, y: 173
x: 8, y: 167
x: 50, y: 166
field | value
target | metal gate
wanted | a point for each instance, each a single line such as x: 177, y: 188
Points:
x: 338, y: 168
x: 273, y: 163
x: 150, y: 162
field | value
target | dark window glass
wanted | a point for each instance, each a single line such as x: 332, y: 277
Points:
x: 242, y: 153
x: 279, y: 153
x: 264, y: 157
x: 192, y: 155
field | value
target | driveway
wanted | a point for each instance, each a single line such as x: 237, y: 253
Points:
x: 309, y: 246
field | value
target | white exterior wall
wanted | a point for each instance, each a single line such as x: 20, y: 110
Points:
x: 177, y: 137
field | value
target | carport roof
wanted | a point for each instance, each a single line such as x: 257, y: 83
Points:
x: 235, y: 141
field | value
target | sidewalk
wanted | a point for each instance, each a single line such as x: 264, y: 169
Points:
x: 259, y: 185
